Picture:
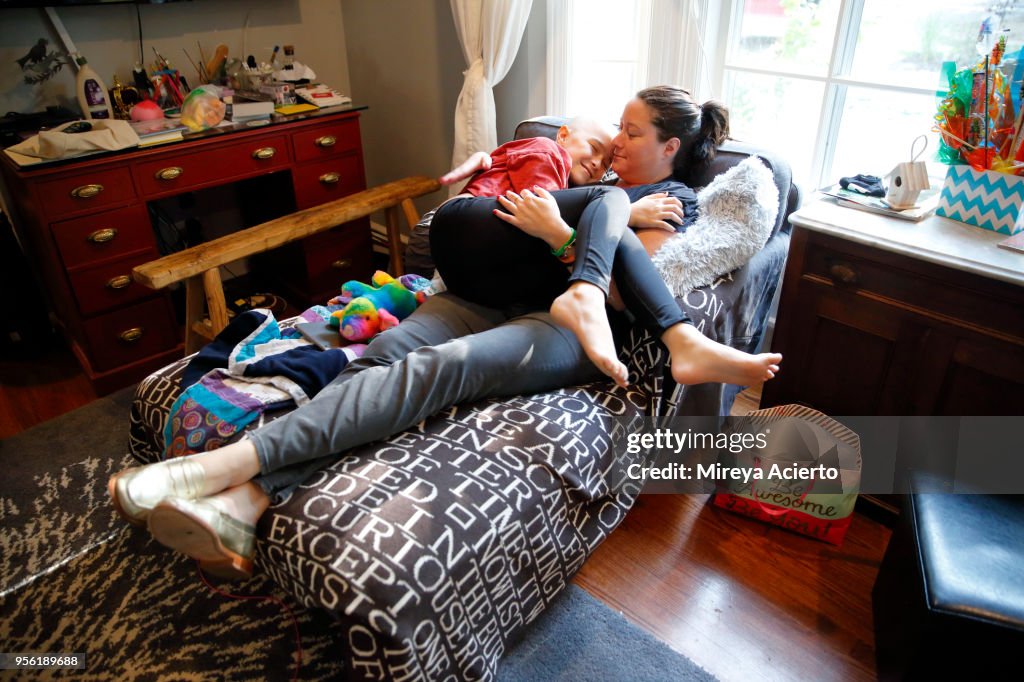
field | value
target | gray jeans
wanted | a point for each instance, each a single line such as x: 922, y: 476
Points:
x: 449, y: 351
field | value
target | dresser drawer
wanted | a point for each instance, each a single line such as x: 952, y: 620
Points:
x: 103, y: 236
x: 110, y: 285
x: 874, y: 273
x: 129, y: 334
x: 182, y: 172
x: 339, y: 255
x: 87, y: 191
x: 323, y: 181
x: 327, y: 140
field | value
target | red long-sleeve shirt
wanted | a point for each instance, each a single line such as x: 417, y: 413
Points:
x: 523, y: 164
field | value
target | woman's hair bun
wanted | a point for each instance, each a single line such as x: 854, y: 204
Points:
x: 714, y: 130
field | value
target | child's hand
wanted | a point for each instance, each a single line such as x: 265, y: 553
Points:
x: 535, y: 213
x: 655, y: 210
x: 479, y: 161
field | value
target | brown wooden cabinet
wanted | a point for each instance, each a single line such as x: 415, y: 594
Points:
x: 85, y: 225
x: 885, y: 317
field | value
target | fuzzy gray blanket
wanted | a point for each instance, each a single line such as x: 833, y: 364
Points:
x: 737, y: 213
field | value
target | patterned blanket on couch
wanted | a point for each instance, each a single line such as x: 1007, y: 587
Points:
x: 251, y: 367
x: 436, y: 547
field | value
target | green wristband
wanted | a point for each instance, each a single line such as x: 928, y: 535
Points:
x: 569, y: 242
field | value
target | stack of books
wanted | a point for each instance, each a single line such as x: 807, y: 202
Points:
x: 158, y: 131
x: 251, y: 106
x: 322, y: 96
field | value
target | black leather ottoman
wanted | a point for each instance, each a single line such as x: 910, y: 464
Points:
x: 949, y: 598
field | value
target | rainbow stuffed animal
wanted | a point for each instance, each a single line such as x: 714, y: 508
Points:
x: 370, y: 309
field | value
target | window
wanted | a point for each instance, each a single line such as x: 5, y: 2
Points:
x: 601, y: 52
x: 849, y: 84
x: 846, y: 84
x: 603, y: 49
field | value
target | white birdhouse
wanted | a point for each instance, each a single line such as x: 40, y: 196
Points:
x: 905, y: 182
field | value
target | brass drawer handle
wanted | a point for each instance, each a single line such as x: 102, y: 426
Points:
x: 331, y: 178
x: 119, y: 282
x: 86, y: 191
x: 326, y: 141
x: 171, y: 173
x: 843, y: 272
x: 102, y: 236
x: 264, y: 153
x: 342, y: 263
x: 131, y: 335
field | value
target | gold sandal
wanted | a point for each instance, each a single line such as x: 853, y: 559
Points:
x: 223, y: 545
x: 135, y: 491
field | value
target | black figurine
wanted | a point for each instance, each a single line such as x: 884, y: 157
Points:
x: 35, y: 55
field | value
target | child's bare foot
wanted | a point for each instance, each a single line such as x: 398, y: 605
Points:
x: 696, y: 359
x: 581, y: 309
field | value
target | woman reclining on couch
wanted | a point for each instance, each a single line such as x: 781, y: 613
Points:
x: 493, y: 258
x: 449, y: 351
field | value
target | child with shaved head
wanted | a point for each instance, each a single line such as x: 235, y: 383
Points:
x: 485, y: 259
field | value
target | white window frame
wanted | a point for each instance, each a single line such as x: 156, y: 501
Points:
x: 837, y: 82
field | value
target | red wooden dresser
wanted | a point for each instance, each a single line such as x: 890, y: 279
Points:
x: 85, y: 224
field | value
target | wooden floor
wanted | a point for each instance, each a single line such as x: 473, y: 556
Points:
x: 741, y: 599
x: 40, y: 387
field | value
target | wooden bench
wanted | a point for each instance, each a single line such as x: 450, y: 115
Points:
x: 199, y: 265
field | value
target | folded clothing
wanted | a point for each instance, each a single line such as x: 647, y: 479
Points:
x: 869, y: 185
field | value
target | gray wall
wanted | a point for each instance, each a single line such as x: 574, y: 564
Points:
x: 405, y: 63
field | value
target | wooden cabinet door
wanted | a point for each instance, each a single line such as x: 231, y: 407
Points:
x: 969, y: 373
x: 846, y: 355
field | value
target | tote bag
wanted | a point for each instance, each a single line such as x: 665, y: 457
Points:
x: 802, y: 439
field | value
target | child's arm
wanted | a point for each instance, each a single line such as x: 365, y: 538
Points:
x: 480, y: 161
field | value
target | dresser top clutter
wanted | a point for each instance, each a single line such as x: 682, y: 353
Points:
x: 226, y: 128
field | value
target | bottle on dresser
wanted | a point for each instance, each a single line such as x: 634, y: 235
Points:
x: 91, y: 92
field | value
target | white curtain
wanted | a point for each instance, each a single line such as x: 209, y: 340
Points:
x: 669, y: 37
x: 677, y: 45
x: 559, y: 56
x: 489, y: 32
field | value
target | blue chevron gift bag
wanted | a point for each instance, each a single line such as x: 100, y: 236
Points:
x: 984, y: 198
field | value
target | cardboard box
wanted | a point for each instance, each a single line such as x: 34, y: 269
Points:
x: 985, y: 199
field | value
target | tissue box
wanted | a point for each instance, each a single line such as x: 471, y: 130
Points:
x: 986, y: 199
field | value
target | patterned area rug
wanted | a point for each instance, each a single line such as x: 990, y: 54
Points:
x: 76, y: 579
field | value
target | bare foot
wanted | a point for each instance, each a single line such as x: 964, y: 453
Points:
x: 696, y: 359
x: 581, y: 309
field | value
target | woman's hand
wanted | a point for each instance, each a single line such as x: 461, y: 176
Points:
x: 535, y: 213
x: 479, y: 161
x: 656, y: 210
